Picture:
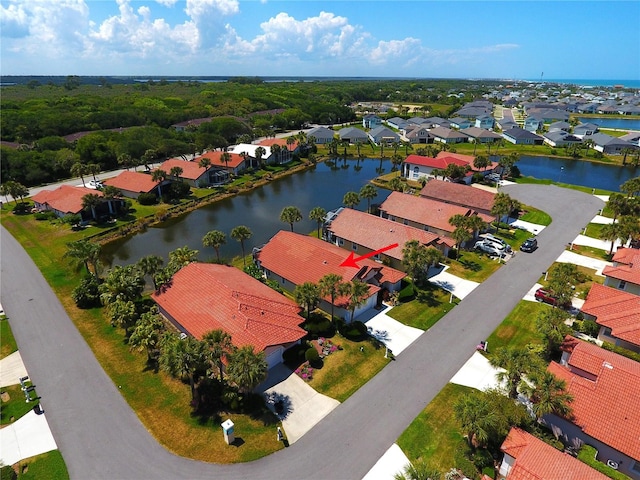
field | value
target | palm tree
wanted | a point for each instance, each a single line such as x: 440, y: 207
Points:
x: 183, y: 358
x: 611, y: 232
x: 84, y: 252
x: 476, y: 416
x: 276, y: 151
x: 79, y: 170
x: 111, y: 193
x: 205, y: 162
x: 125, y: 160
x: 515, y: 362
x: 481, y: 162
x: 150, y: 265
x: 176, y: 172
x: 331, y: 285
x: 93, y: 169
x: 351, y: 199
x: 240, y: 234
x: 181, y: 257
x: 218, y: 345
x: 215, y: 239
x: 502, y: 204
x: 147, y: 333
x: 549, y: 395
x: 148, y: 157
x: 247, y: 369
x: 90, y: 202
x: 358, y: 292
x: 260, y: 152
x: 318, y: 214
x: 226, y: 158
x: 159, y: 176
x: 460, y: 235
x: 418, y: 470
x: 369, y: 192
x: 290, y: 142
x: 122, y: 283
x: 290, y: 215
x: 307, y: 295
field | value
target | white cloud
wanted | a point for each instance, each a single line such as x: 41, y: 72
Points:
x: 399, y: 52
x: 167, y: 3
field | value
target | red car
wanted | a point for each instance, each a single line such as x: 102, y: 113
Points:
x: 546, y: 296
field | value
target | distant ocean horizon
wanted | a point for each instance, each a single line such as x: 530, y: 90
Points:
x: 591, y: 82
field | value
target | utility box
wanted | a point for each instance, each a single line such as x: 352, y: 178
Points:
x: 227, y: 430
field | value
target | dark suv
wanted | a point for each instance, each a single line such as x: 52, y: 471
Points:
x: 529, y: 245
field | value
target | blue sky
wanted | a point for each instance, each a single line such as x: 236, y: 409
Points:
x: 419, y: 38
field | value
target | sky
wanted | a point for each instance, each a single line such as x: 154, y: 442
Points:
x: 366, y: 38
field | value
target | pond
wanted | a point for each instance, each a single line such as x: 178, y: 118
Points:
x: 259, y: 209
x: 619, y: 123
x: 577, y: 172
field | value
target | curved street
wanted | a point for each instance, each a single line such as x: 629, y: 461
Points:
x: 101, y: 437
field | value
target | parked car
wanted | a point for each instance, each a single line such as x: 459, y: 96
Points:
x: 529, y: 245
x: 494, y: 177
x: 97, y: 184
x: 487, y: 237
x: 546, y: 296
x: 490, y: 248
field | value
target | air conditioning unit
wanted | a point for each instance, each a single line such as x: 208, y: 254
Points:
x: 612, y: 464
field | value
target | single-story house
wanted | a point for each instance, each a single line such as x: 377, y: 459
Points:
x: 202, y: 297
x: 397, y: 123
x: 353, y: 135
x: 415, y: 167
x: 607, y: 144
x: 533, y: 124
x: 528, y: 457
x: 286, y: 152
x: 433, y: 122
x: 507, y: 123
x: 419, y: 135
x: 618, y: 314
x: 363, y: 233
x: 560, y: 138
x: 485, y: 121
x: 583, y: 129
x: 132, y: 184
x: 604, y: 387
x: 588, y: 108
x: 235, y: 164
x: 460, y: 123
x: 519, y: 136
x: 192, y: 172
x: 473, y: 111
x: 371, y: 121
x: 632, y: 137
x: 475, y: 198
x: 446, y: 135
x: 382, y: 134
x: 248, y: 151
x: 291, y: 259
x: 424, y: 213
x: 566, y: 126
x: 481, y: 135
x: 624, y: 274
x: 321, y: 135
x: 67, y: 200
x: 190, y: 124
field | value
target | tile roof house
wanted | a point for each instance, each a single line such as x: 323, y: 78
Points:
x: 528, y: 458
x: 235, y: 165
x: 624, y: 274
x: 415, y: 167
x: 132, y: 184
x: 65, y: 200
x: 618, y: 314
x: 203, y: 297
x: 383, y: 134
x: 248, y: 151
x: 605, y: 388
x: 352, y: 135
x: 292, y: 259
x: 457, y: 194
x: 322, y: 135
x: 192, y: 172
x: 363, y: 233
x: 286, y: 150
x: 520, y: 136
x: 424, y: 213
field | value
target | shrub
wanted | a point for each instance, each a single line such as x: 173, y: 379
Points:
x: 311, y: 355
x: 179, y: 190
x: 72, y: 219
x: 47, y: 215
x: 22, y: 208
x: 147, y: 199
x: 482, y: 458
x: 515, y: 172
x: 588, y: 327
x: 8, y: 473
x: 87, y: 294
x: 355, y: 331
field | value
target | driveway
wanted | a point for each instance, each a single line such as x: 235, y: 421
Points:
x: 26, y: 437
x: 395, y: 335
x: 101, y: 437
x: 456, y: 285
x: 478, y: 373
x: 11, y: 370
x: 303, y: 407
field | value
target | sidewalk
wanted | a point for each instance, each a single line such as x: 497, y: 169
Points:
x: 11, y: 370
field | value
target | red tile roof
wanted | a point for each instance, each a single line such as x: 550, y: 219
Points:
x: 602, y: 407
x: 204, y: 297
x: 65, y: 198
x: 301, y: 258
x: 458, y: 194
x: 431, y: 162
x: 375, y: 233
x: 626, y: 266
x: 190, y: 170
x: 136, y: 182
x: 424, y: 211
x: 615, y: 309
x: 235, y: 161
x: 267, y: 142
x: 466, y: 158
x: 535, y: 459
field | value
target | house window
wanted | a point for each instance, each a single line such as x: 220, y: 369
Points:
x: 635, y: 467
x: 606, y: 331
x: 340, y: 242
x: 354, y: 247
x: 622, y: 284
x: 405, y: 221
x: 376, y: 257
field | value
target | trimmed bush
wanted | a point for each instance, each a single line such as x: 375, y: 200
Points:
x: 47, y: 215
x: 311, y: 355
x: 147, y: 199
x: 87, y: 294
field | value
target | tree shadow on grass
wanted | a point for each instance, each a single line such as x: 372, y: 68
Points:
x: 470, y: 265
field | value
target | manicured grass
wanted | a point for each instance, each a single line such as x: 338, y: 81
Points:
x: 541, y: 181
x: 591, y: 252
x: 16, y: 407
x: 8, y: 344
x: 48, y: 466
x: 473, y: 265
x: 346, y: 370
x: 518, y: 329
x: 594, y: 230
x: 587, y: 455
x: 536, y: 216
x: 434, y: 435
x: 429, y: 305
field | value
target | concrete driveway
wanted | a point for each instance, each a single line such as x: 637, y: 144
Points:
x: 26, y: 437
x: 303, y: 406
x: 456, y: 285
x: 395, y: 335
x: 478, y: 373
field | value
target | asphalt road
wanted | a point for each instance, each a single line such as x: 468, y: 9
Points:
x: 101, y: 437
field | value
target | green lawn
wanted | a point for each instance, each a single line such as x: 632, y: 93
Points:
x: 473, y: 265
x: 591, y: 252
x: 536, y: 216
x: 48, y: 466
x: 425, y: 309
x: 587, y: 455
x: 435, y: 436
x: 8, y: 344
x: 539, y: 181
x: 594, y: 230
x: 16, y: 406
x: 518, y: 329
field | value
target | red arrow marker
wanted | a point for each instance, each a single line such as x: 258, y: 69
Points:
x: 351, y: 261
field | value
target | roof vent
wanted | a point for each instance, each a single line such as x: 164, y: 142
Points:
x: 612, y: 464
x: 324, y: 262
x: 391, y: 230
x: 607, y: 365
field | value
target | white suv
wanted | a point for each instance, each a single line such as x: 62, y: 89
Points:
x: 490, y: 247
